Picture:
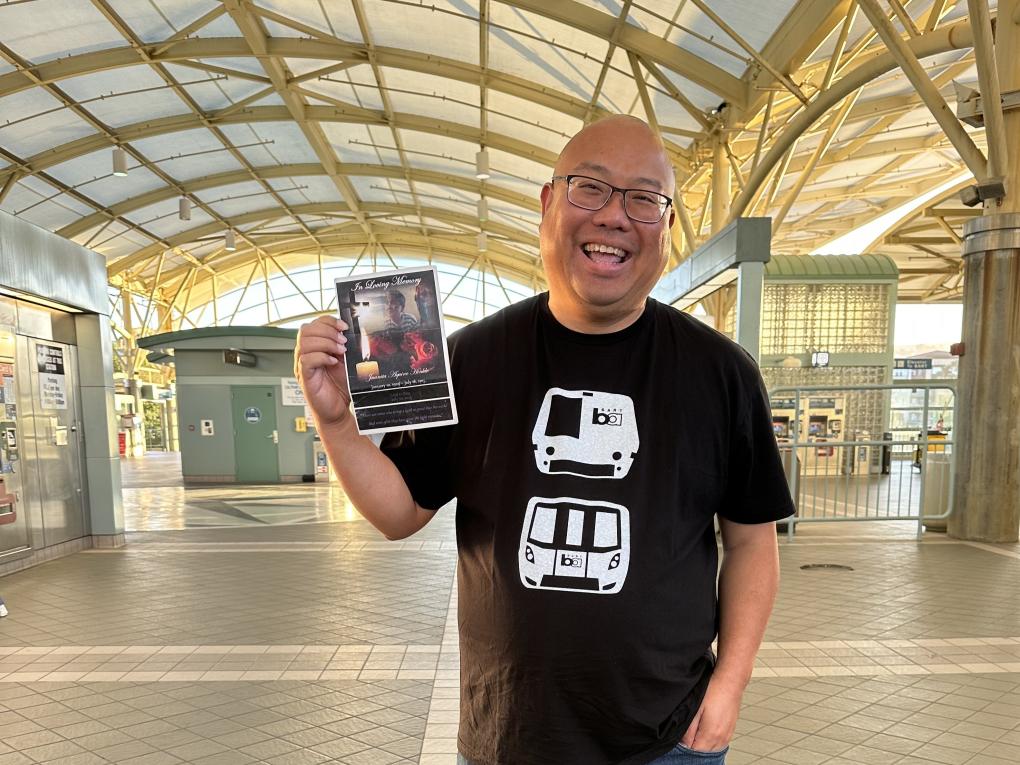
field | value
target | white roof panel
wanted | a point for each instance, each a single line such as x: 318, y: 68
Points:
x: 111, y: 189
x: 313, y: 188
x: 344, y: 23
x: 422, y: 29
x: 153, y: 22
x: 188, y: 154
x: 285, y: 144
x: 36, y: 134
x: 361, y: 91
x: 354, y: 143
x: 124, y: 96
x: 162, y: 219
x: 572, y: 67
x: 84, y: 169
x: 40, y: 203
x: 47, y: 29
x: 213, y: 91
x: 222, y: 26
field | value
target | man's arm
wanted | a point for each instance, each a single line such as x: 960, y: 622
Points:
x: 748, y: 582
x: 372, y: 482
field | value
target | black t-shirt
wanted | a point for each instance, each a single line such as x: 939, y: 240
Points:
x: 587, y: 471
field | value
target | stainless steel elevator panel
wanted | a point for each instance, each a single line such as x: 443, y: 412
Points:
x: 13, y: 514
x: 53, y: 486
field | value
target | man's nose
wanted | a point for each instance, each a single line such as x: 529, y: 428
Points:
x: 613, y: 212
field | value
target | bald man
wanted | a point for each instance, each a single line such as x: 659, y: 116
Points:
x: 600, y: 434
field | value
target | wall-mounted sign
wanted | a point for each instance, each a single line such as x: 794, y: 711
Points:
x: 912, y: 364
x: 52, y: 379
x: 252, y: 414
x: 292, y: 393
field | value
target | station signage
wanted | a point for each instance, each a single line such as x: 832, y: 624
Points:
x: 912, y: 364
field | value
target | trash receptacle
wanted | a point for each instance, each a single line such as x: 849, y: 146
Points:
x: 936, y: 490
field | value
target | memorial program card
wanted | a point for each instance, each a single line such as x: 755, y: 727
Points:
x: 397, y: 362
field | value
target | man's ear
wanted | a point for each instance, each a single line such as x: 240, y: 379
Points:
x: 546, y: 196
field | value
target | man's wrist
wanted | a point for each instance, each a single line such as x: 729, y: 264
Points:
x: 729, y: 675
x: 344, y: 427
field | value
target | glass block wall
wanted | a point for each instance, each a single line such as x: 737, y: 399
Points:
x: 798, y: 318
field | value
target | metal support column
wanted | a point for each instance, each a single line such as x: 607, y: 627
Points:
x: 750, y: 285
x: 987, y: 502
x: 987, y: 505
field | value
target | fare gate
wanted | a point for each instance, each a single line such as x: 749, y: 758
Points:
x: 867, y: 452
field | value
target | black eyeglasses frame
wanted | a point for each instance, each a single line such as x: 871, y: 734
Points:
x: 569, y: 179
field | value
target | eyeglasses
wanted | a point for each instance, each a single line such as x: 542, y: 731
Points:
x: 640, y: 205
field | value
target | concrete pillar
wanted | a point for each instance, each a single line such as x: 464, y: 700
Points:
x: 986, y: 506
x: 750, y: 291
x: 102, y: 462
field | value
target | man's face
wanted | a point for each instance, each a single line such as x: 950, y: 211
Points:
x: 393, y: 308
x: 581, y: 279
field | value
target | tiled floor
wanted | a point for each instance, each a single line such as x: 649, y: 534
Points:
x: 273, y: 625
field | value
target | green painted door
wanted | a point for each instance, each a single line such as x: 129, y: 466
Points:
x: 255, y: 437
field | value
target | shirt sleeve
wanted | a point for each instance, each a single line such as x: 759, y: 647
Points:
x: 422, y: 457
x: 757, y: 488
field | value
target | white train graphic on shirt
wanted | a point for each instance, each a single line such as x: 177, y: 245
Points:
x: 585, y: 433
x: 575, y: 545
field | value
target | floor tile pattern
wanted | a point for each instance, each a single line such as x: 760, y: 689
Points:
x: 247, y: 624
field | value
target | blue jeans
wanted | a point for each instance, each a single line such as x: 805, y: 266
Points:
x: 678, y: 755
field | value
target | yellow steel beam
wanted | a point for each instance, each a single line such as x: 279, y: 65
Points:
x: 646, y: 45
x: 181, y: 122
x: 231, y: 177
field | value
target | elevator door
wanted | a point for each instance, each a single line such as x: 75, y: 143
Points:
x: 51, y: 373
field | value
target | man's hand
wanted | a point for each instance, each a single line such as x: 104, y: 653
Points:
x: 319, y: 368
x: 712, y: 727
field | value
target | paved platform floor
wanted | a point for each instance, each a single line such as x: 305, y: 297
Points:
x: 272, y: 625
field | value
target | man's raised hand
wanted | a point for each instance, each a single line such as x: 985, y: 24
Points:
x: 319, y: 368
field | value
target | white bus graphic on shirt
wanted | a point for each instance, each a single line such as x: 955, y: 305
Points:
x: 574, y: 544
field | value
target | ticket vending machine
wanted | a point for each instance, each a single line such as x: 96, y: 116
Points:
x: 821, y: 421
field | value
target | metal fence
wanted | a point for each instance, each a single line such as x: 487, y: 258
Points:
x: 841, y: 468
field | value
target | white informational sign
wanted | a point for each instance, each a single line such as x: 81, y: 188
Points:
x: 292, y: 393
x: 52, y: 379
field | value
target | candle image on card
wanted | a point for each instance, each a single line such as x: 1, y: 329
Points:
x: 367, y: 369
x: 397, y: 363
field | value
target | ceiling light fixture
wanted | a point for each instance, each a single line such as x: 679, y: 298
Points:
x: 184, y: 208
x: 482, y: 165
x: 483, y: 241
x: 119, y: 161
x: 483, y: 209
x: 229, y: 241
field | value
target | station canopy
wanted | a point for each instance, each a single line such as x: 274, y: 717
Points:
x: 230, y: 158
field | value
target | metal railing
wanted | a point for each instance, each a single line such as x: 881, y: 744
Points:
x: 852, y: 475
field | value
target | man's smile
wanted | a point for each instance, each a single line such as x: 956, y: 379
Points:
x: 604, y: 254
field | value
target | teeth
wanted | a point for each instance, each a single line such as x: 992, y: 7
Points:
x: 607, y: 254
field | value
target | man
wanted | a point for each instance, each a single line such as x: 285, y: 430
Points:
x: 600, y: 433
x: 395, y: 316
